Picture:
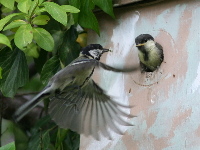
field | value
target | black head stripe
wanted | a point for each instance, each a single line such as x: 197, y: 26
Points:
x: 142, y: 38
x: 88, y: 51
x: 91, y: 47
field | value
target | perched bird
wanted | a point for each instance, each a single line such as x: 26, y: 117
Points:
x: 150, y: 52
x: 77, y: 102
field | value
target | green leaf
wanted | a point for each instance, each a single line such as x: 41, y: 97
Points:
x: 32, y: 50
x: 34, y: 5
x: 23, y: 36
x: 41, y: 20
x: 0, y: 73
x: 20, y: 136
x: 6, y: 19
x: 69, y: 49
x: 43, y: 39
x: 86, y: 18
x: 70, y: 21
x: 106, y: 6
x: 40, y: 141
x: 15, y: 71
x: 10, y: 146
x: 61, y: 135
x: 14, y: 24
x: 5, y: 10
x: 21, y: 16
x: 58, y: 39
x: 40, y: 10
x: 56, y: 11
x: 40, y: 2
x: 69, y: 8
x: 24, y: 5
x: 8, y: 3
x: 42, y: 122
x: 4, y: 40
x: 41, y: 60
x: 72, y: 140
x: 49, y: 69
x: 77, y: 4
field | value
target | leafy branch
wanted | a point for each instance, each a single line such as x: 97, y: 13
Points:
x: 42, y: 33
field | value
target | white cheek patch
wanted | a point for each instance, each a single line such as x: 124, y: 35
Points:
x: 149, y: 45
x: 95, y: 53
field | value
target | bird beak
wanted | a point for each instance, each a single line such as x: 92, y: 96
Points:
x: 140, y: 45
x: 106, y: 50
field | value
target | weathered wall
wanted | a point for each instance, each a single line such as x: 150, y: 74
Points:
x: 167, y: 102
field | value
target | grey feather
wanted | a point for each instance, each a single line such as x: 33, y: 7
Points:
x: 78, y: 103
x: 28, y: 106
x: 109, y: 68
x: 89, y: 112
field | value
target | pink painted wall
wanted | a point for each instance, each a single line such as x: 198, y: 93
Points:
x: 167, y: 102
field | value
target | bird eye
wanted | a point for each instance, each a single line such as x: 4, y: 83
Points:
x: 145, y: 40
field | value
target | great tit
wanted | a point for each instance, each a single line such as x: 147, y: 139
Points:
x: 77, y: 102
x: 150, y: 52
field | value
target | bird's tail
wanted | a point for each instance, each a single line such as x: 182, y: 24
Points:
x: 28, y: 106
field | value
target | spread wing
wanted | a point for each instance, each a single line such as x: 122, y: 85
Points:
x: 77, y: 67
x: 87, y: 111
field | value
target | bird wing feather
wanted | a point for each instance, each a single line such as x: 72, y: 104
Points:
x: 109, y: 68
x: 161, y: 50
x: 87, y: 110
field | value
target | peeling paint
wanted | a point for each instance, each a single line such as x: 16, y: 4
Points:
x: 167, y: 101
x: 112, y: 82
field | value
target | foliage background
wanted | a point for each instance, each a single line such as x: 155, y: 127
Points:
x: 37, y: 39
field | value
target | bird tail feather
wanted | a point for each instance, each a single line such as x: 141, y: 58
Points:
x: 28, y: 106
